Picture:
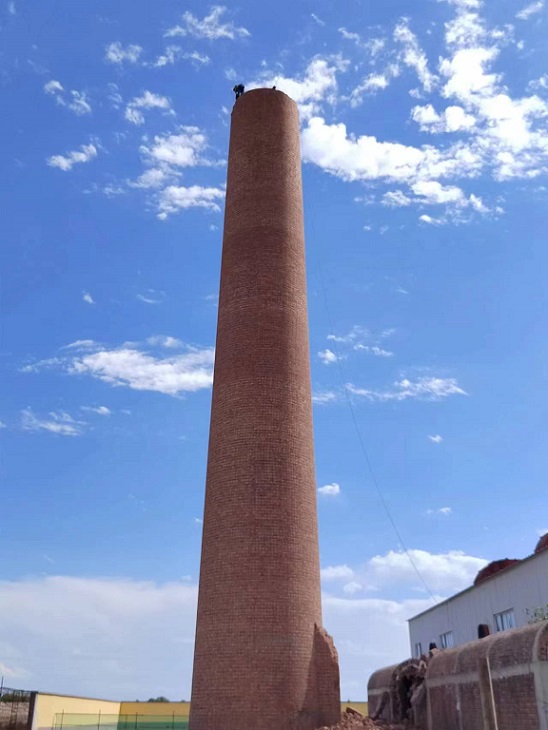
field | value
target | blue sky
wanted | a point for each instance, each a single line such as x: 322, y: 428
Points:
x: 425, y: 153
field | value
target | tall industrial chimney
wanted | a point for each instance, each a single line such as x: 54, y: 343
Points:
x: 262, y: 659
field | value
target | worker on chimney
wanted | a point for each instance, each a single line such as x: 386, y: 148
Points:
x: 238, y: 90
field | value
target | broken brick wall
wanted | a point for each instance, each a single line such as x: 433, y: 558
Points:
x: 497, y: 682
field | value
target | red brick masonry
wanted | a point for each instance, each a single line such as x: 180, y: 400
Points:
x: 262, y: 661
x: 505, y: 674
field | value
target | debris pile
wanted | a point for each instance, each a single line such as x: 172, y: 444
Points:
x: 353, y: 720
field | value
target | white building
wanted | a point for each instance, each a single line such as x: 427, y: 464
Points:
x: 499, y: 601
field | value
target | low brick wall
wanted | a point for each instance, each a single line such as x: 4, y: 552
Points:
x: 496, y: 683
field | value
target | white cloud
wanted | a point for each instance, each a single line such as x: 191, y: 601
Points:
x: 60, y: 423
x: 98, y: 410
x: 424, y: 388
x: 152, y: 296
x: 100, y: 629
x: 327, y: 357
x: 541, y: 532
x: 374, y: 82
x: 396, y: 199
x: 445, y: 511
x: 183, y: 149
x: 129, y: 367
x: 413, y: 56
x: 175, y: 198
x: 337, y: 572
x: 147, y: 100
x: 353, y: 587
x: 3, y: 425
x: 77, y: 101
x: 211, y: 27
x: 86, y: 297
x: 356, y: 333
x: 66, y: 162
x: 116, y: 53
x: 532, y: 9
x: 319, y: 21
x: 317, y: 85
x: 362, y: 158
x: 81, y: 345
x: 324, y: 397
x: 165, y: 156
x: 452, y: 119
x: 133, y: 365
x: 330, y: 490
x: 374, y: 350
x: 172, y: 54
x: 437, y: 439
x: 452, y: 571
x: 170, y: 343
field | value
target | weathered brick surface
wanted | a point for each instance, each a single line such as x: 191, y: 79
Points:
x: 259, y: 598
x: 506, y: 674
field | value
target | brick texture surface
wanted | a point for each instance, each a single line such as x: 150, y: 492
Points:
x: 258, y: 642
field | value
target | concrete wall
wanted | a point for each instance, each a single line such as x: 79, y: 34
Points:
x: 48, y: 707
x: 520, y: 587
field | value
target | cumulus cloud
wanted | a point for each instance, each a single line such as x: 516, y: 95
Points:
x: 175, y: 198
x: 211, y: 27
x: 147, y: 101
x: 493, y: 133
x: 57, y: 422
x: 318, y: 84
x: 136, y: 366
x: 88, y: 622
x: 76, y: 101
x: 327, y: 357
x: 164, y: 158
x: 116, y: 53
x: 86, y: 153
x: 336, y: 572
x: 424, y: 388
x: 330, y: 490
x: 183, y: 149
x: 103, y: 633
x: 446, y: 572
x: 86, y: 297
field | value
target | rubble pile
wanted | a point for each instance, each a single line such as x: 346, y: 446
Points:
x: 353, y: 720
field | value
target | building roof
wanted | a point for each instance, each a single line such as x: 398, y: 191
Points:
x: 505, y: 571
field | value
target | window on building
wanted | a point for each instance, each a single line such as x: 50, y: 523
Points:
x: 418, y: 649
x: 505, y: 620
x: 447, y: 641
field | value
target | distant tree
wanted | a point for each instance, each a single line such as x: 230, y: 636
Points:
x: 158, y: 699
x: 534, y: 615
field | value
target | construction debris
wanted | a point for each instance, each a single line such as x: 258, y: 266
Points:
x: 353, y: 720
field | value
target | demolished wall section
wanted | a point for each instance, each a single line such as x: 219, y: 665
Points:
x: 496, y: 683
